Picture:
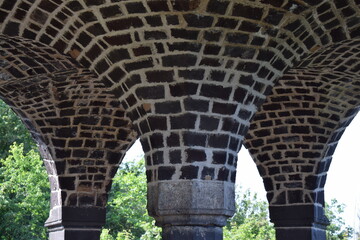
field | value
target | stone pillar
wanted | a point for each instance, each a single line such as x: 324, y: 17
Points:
x: 299, y: 222
x: 191, y: 209
x: 75, y: 223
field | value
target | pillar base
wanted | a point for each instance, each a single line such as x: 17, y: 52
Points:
x: 299, y: 222
x: 75, y: 223
x: 192, y: 233
x: 304, y: 233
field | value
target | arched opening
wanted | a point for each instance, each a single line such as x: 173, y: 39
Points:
x: 343, y: 175
x: 24, y: 184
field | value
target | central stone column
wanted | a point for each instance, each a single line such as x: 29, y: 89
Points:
x: 191, y: 209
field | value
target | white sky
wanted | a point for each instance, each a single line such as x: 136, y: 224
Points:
x: 342, y: 181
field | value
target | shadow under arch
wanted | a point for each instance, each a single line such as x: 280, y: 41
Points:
x: 295, y: 132
x: 80, y: 127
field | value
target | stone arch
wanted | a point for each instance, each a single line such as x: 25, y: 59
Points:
x: 80, y: 127
x: 295, y: 132
x: 181, y: 70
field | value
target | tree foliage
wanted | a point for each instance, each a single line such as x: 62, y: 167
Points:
x: 12, y: 130
x: 337, y: 230
x: 24, y: 195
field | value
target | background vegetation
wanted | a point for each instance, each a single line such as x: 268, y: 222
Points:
x: 24, y: 198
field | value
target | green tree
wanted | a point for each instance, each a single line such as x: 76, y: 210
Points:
x: 24, y: 195
x: 337, y: 230
x: 12, y: 130
x: 250, y: 220
x: 127, y: 217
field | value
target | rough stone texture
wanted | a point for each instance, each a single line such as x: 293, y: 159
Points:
x: 188, y: 78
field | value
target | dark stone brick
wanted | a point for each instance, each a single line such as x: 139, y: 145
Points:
x: 215, y: 91
x: 158, y: 6
x: 118, y: 40
x: 184, y: 46
x: 165, y: 173
x: 12, y: 29
x: 248, y: 12
x: 194, y: 139
x: 124, y: 23
x: 116, y: 74
x: 198, y: 21
x: 160, y: 76
x: 224, y: 108
x: 67, y: 183
x: 218, y: 141
x: 179, y: 60
x: 195, y: 155
x: 223, y: 174
x: 185, y: 34
x: 135, y: 7
x: 249, y: 67
x: 189, y: 172
x: 114, y: 157
x: 245, y: 114
x: 184, y: 121
x: 158, y: 157
x: 168, y: 107
x: 155, y: 35
x: 274, y: 16
x: 209, y: 123
x: 300, y: 129
x: 249, y: 27
x: 154, y: 92
x: 66, y: 132
x: 218, y: 76
x: 229, y: 125
x: 139, y: 65
x: 173, y: 140
x: 157, y: 123
x: 175, y: 156
x: 196, y: 74
x: 212, y: 35
x: 213, y: 62
x: 154, y: 21
x: 295, y: 196
x: 226, y: 23
x: 156, y: 140
x: 185, y: 5
x: 240, y: 94
x: 172, y: 20
x: 183, y: 89
x: 219, y: 157
x: 110, y: 11
x: 142, y: 51
x: 212, y: 49
x: 216, y: 6
x: 239, y: 52
x: 196, y: 105
x: 208, y: 173
x: 237, y: 38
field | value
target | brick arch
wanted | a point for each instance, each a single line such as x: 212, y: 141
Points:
x: 183, y: 70
x: 80, y: 127
x: 295, y: 132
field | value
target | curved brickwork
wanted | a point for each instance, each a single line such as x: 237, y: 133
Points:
x: 80, y: 127
x: 189, y: 75
x: 294, y: 134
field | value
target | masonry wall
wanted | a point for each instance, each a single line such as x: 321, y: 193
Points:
x: 189, y: 78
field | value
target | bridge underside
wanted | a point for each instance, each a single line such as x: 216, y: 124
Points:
x: 195, y: 80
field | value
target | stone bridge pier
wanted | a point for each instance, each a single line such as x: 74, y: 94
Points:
x: 194, y: 80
